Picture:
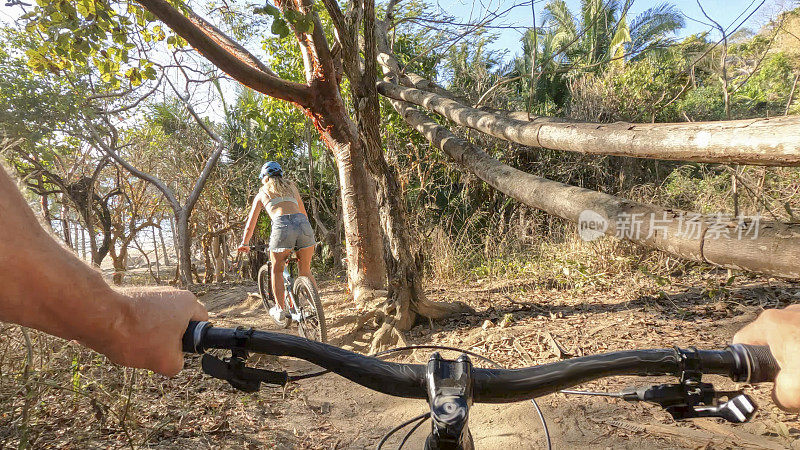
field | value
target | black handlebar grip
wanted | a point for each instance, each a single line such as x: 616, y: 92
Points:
x: 755, y: 363
x: 192, y: 341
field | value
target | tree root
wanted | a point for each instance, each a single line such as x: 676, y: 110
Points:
x: 388, y: 336
x: 439, y: 310
x: 367, y: 297
x: 373, y: 314
x: 399, y: 316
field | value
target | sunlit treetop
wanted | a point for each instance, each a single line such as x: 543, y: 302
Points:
x: 113, y: 37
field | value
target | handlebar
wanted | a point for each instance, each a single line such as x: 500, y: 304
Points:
x: 742, y: 363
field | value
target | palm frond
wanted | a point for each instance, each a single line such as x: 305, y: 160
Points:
x: 558, y: 17
x: 621, y: 37
x: 652, y: 27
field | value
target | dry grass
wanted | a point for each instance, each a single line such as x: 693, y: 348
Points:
x: 559, y: 259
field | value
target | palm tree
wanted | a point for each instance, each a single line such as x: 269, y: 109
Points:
x: 601, y: 32
x: 551, y: 86
x: 654, y: 29
x: 569, y: 45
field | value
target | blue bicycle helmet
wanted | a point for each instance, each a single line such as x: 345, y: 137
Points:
x: 271, y: 169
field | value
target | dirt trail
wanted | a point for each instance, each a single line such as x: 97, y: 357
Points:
x: 331, y: 412
x: 346, y: 414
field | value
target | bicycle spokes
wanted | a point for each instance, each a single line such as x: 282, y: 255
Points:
x: 308, y: 323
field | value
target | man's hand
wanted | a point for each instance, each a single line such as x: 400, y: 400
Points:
x: 151, y: 331
x: 243, y: 248
x: 45, y: 286
x: 780, y: 329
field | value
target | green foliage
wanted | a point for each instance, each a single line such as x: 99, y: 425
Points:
x: 413, y: 52
x: 703, y: 103
x: 696, y: 188
x: 598, y: 39
x: 768, y: 88
x: 73, y: 35
x: 285, y: 58
x: 642, y: 90
x: 31, y: 105
x: 302, y: 23
x: 472, y: 68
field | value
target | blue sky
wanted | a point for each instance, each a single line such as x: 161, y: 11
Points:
x: 726, y: 12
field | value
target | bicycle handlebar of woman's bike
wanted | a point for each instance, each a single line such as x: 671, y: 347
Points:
x: 742, y: 363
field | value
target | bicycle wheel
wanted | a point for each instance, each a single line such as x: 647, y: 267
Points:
x: 265, y: 290
x: 312, y: 325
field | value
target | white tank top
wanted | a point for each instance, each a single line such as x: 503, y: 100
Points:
x: 272, y: 203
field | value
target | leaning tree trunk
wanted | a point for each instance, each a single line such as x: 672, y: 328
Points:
x: 765, y: 247
x: 768, y: 142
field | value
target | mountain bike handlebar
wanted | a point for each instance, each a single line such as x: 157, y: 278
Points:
x: 742, y: 363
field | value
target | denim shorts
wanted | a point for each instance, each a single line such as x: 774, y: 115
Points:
x: 291, y: 232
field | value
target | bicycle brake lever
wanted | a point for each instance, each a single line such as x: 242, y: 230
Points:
x: 739, y: 409
x: 687, y: 401
x: 241, y: 377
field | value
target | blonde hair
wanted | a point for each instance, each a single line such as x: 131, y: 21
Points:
x: 277, y: 187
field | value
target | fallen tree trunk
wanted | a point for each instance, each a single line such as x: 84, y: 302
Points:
x: 766, y: 142
x: 764, y: 247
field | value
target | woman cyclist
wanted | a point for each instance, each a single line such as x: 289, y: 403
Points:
x: 290, y: 229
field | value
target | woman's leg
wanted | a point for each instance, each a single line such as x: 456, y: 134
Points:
x: 304, y: 256
x: 278, y: 260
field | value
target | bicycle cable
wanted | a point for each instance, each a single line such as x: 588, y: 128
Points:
x: 481, y: 357
x: 394, y: 430
x: 412, y: 430
x: 539, y: 412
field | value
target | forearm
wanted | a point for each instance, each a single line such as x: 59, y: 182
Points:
x: 44, y: 286
x: 249, y: 228
x: 252, y: 219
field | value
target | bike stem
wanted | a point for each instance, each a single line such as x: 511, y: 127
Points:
x: 449, y: 387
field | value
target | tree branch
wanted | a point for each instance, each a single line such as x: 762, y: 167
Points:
x: 98, y: 141
x: 229, y: 56
x: 212, y: 160
x: 337, y: 18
